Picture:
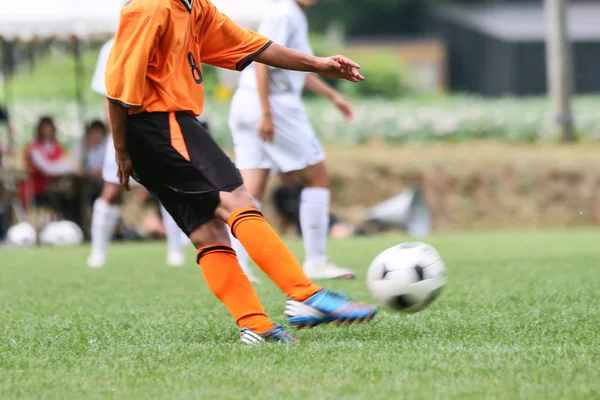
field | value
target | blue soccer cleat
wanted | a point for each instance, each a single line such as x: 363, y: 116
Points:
x: 327, y: 307
x: 277, y: 334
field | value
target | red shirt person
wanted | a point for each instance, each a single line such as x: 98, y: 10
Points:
x: 45, y: 161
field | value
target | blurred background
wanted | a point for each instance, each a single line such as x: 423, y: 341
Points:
x: 479, y: 114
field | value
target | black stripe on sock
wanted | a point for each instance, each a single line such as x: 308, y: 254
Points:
x: 242, y: 216
x: 214, y: 249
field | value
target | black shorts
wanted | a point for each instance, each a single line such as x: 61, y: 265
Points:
x: 178, y: 161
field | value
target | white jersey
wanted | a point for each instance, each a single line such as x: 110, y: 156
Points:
x: 109, y: 167
x: 287, y: 26
x: 98, y: 84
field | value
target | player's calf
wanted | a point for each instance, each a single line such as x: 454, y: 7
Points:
x: 105, y: 216
x: 265, y: 247
x: 112, y: 193
x: 227, y: 281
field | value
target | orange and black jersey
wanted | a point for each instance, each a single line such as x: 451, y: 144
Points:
x: 155, y: 62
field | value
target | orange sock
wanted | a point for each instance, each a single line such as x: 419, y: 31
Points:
x: 269, y: 252
x: 228, y: 282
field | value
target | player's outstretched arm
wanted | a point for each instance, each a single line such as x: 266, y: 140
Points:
x: 336, y: 67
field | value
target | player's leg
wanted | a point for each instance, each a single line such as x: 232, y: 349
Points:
x: 297, y: 149
x: 314, y: 215
x: 106, y: 210
x: 219, y: 265
x: 250, y: 158
x: 176, y: 240
x: 171, y: 153
x: 255, y: 181
x: 263, y: 244
x: 308, y: 304
x: 229, y: 284
x: 314, y: 223
x: 225, y: 278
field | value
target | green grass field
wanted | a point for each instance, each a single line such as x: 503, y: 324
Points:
x: 519, y: 319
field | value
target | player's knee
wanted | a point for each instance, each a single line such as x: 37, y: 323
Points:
x: 317, y: 176
x: 231, y: 201
x: 255, y: 181
x: 111, y: 193
x: 210, y: 233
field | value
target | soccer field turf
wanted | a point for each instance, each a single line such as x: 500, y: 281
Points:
x: 519, y: 318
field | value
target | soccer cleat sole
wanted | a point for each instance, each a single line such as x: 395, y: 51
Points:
x: 301, y: 322
x: 355, y: 321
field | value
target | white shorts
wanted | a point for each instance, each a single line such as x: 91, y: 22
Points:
x: 295, y: 145
x: 109, y: 168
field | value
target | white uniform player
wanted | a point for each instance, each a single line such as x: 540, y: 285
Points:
x: 107, y: 210
x: 271, y: 131
x: 295, y: 145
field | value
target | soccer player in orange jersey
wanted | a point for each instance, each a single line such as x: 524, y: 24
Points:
x: 154, y: 87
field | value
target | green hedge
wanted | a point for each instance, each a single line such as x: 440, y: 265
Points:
x: 385, y: 76
x: 452, y: 118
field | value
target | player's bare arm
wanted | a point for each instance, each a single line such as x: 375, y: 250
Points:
x: 321, y: 88
x: 106, y: 111
x: 266, y: 128
x: 335, y: 67
x: 118, y: 122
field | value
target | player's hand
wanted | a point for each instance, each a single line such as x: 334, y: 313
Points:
x: 125, y: 168
x: 266, y: 129
x: 339, y: 67
x: 344, y: 107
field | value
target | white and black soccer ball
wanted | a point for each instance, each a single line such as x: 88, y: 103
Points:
x: 407, y: 277
x: 61, y: 234
x: 22, y: 235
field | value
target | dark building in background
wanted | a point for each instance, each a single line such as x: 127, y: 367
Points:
x: 499, y: 49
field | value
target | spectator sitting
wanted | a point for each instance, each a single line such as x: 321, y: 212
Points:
x: 45, y: 161
x: 90, y: 154
x: 286, y: 199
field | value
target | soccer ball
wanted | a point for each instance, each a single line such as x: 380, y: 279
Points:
x: 22, y: 235
x: 407, y: 277
x: 61, y: 234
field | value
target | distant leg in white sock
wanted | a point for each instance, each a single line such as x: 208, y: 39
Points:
x: 175, y: 242
x: 104, y: 221
x: 242, y: 254
x: 314, y: 222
